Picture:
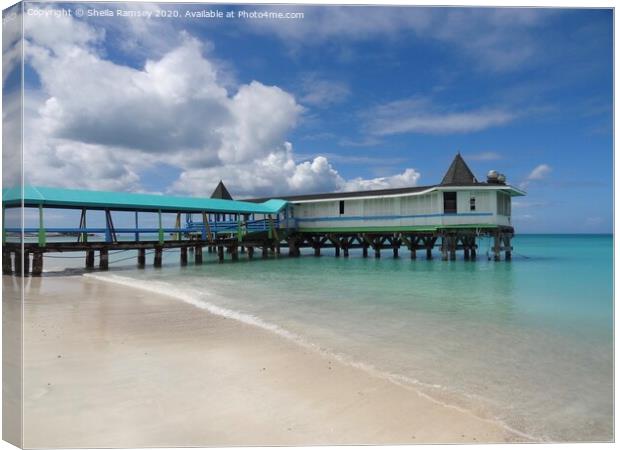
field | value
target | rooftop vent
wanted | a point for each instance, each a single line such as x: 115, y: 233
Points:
x: 494, y: 177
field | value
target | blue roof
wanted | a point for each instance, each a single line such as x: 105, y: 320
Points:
x: 77, y: 198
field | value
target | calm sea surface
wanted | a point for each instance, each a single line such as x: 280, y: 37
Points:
x: 527, y: 342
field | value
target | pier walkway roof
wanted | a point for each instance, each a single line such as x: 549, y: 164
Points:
x: 35, y: 196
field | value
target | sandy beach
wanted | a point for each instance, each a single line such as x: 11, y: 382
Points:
x: 110, y: 366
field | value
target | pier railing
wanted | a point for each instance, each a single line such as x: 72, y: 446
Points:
x: 239, y: 229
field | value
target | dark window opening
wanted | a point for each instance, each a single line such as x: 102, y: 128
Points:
x: 472, y: 203
x: 449, y: 202
x: 341, y: 206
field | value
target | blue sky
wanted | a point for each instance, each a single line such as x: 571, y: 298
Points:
x: 345, y: 98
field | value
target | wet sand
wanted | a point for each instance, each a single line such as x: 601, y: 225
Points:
x: 110, y: 366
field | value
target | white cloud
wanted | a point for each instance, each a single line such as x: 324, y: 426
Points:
x: 366, y: 141
x: 539, y: 173
x: 484, y: 156
x: 498, y: 39
x: 11, y: 41
x: 409, y: 177
x: 520, y: 204
x: 11, y: 138
x: 420, y: 115
x: 97, y: 124
x: 322, y: 92
x: 278, y: 174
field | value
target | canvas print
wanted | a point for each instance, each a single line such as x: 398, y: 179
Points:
x: 257, y: 225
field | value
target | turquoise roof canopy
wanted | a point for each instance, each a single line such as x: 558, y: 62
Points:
x: 35, y: 196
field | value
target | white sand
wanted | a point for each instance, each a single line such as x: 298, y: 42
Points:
x: 109, y: 366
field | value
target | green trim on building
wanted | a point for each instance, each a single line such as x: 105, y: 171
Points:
x: 417, y: 228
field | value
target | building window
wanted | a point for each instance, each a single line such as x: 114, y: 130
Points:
x: 341, y: 206
x: 449, y: 202
x: 472, y: 203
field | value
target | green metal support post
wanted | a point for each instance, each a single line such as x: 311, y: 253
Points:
x: 177, y: 225
x: 85, y: 234
x: 41, y: 228
x: 161, y: 230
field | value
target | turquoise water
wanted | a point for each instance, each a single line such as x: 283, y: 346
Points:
x: 527, y: 342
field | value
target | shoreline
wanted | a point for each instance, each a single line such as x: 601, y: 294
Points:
x: 277, y: 391
x: 402, y: 381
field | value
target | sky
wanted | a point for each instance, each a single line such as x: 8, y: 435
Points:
x: 345, y: 98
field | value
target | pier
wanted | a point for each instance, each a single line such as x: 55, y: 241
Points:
x: 236, y: 234
x: 426, y: 221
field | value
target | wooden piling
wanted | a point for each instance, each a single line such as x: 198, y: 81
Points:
x: 496, y: 246
x: 157, y: 259
x: 19, y: 267
x: 444, y: 248
x: 507, y: 248
x: 183, y: 256
x: 90, y: 259
x: 293, y: 250
x: 141, y: 258
x: 7, y: 268
x: 103, y: 259
x: 452, y: 242
x: 37, y: 264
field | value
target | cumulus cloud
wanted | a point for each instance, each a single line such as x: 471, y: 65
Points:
x: 95, y: 123
x: 278, y: 174
x: 409, y: 177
